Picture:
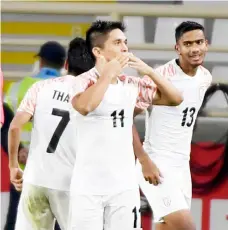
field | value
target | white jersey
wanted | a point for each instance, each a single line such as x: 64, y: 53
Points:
x: 169, y: 128
x: 105, y: 161
x: 53, y: 148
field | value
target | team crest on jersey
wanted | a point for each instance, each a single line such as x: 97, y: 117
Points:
x: 167, y: 201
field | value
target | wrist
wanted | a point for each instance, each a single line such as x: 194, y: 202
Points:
x: 143, y: 158
x: 151, y: 72
x: 13, y: 165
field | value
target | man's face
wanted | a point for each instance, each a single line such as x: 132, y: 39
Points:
x: 115, y: 44
x: 192, y: 47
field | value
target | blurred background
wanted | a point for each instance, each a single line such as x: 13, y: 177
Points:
x: 25, y: 26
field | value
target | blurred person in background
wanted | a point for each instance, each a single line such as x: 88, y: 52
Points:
x: 169, y: 131
x: 51, y: 60
x: 22, y: 157
x: 47, y: 175
x: 52, y: 57
x: 1, y: 106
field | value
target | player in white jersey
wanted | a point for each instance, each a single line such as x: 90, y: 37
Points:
x: 104, y: 189
x: 47, y: 175
x: 169, y: 131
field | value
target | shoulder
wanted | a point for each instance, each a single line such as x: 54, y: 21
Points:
x: 168, y: 69
x: 206, y: 75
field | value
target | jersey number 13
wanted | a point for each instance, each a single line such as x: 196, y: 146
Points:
x: 188, y: 112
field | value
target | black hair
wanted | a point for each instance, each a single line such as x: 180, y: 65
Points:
x: 96, y: 35
x: 79, y: 59
x: 186, y: 27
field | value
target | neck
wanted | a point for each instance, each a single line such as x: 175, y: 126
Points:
x: 186, y: 68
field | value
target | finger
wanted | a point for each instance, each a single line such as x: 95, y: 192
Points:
x: 157, y: 177
x: 150, y: 180
x: 123, y: 59
x: 124, y: 63
x: 133, y: 58
x: 18, y: 188
x: 155, y: 182
x: 16, y: 181
x: 133, y: 65
x: 122, y: 55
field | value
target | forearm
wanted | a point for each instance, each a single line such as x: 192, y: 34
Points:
x: 137, y: 145
x: 13, y: 145
x: 89, y: 100
x: 166, y: 88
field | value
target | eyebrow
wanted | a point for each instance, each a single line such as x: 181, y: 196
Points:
x: 119, y: 39
x: 198, y: 40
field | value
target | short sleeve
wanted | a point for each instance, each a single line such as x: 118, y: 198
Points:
x: 80, y: 84
x: 28, y: 103
x: 147, y: 91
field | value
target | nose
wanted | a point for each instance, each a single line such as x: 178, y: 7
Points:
x: 195, y: 49
x: 124, y: 47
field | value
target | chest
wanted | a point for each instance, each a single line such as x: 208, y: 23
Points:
x: 193, y: 91
x: 119, y: 101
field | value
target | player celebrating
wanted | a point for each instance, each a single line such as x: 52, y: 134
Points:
x: 104, y: 189
x: 46, y: 180
x: 169, y: 131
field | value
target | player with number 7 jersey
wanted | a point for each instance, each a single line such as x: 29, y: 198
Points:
x: 47, y: 175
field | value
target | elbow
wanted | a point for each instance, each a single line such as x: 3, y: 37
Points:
x: 83, y: 110
x: 177, y: 100
x: 80, y: 107
x: 14, y: 128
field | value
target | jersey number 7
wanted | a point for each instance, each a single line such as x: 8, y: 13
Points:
x: 59, y: 129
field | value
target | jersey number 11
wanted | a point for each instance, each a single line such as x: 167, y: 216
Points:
x: 120, y: 116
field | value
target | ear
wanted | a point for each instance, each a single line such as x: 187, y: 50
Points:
x: 96, y: 52
x: 177, y: 48
x: 66, y: 64
x: 206, y: 43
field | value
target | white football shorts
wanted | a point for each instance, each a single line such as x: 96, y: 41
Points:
x: 39, y: 207
x: 173, y: 194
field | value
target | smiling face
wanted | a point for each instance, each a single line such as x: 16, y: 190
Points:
x: 192, y: 47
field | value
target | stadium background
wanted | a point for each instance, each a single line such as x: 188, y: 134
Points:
x: 25, y: 26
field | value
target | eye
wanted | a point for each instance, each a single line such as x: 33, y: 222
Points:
x: 200, y: 42
x: 187, y: 44
x: 117, y: 42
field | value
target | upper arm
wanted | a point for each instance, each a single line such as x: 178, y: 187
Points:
x: 79, y: 87
x: 20, y: 119
x: 159, y: 99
